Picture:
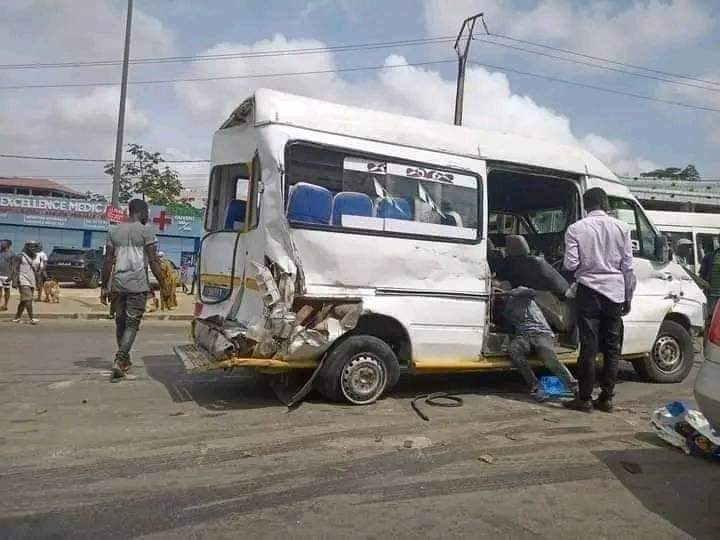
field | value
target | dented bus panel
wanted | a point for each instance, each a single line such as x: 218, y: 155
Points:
x: 357, y: 244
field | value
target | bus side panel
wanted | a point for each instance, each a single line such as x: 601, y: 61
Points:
x: 440, y: 329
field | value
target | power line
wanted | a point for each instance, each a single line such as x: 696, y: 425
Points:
x: 607, y: 60
x: 230, y: 56
x: 91, y: 160
x: 599, y: 88
x: 598, y: 66
x: 229, y: 77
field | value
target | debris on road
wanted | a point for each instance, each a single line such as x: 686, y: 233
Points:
x: 40, y: 411
x: 486, y: 458
x: 177, y: 413
x: 408, y: 444
x: 679, y: 425
x: 631, y: 467
x: 246, y: 454
x: 551, y: 420
x: 379, y: 438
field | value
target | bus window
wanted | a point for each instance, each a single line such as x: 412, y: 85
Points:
x: 706, y: 243
x: 641, y: 232
x: 229, y: 194
x: 685, y: 255
x: 334, y: 189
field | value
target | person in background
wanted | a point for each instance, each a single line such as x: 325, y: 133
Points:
x: 598, y: 250
x: 26, y: 281
x: 533, y: 335
x: 168, y: 286
x: 40, y: 265
x: 131, y: 247
x: 710, y: 272
x: 7, y: 264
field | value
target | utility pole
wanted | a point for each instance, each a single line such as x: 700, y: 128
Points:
x: 462, y: 53
x: 115, y: 199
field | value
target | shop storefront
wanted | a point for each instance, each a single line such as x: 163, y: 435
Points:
x: 62, y: 222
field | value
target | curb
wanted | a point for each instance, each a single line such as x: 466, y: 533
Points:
x: 101, y: 316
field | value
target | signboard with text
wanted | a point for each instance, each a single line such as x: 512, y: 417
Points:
x: 61, y: 213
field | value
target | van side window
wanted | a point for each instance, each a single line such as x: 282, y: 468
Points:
x: 707, y: 242
x: 233, y: 197
x: 335, y: 189
x: 641, y: 232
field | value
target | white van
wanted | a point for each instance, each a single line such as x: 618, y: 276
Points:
x: 359, y: 244
x: 702, y: 229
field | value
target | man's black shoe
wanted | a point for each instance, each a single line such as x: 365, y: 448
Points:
x: 579, y: 405
x: 604, y: 405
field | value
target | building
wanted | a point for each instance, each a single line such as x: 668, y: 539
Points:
x: 40, y: 187
x: 676, y: 195
x: 57, y: 216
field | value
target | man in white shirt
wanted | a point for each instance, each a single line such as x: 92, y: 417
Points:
x: 598, y: 249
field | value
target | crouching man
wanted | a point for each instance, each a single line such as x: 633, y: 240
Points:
x: 532, y: 335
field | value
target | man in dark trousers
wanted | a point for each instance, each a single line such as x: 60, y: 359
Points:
x: 599, y: 251
x: 131, y: 247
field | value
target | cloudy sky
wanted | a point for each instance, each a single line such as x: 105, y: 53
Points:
x: 178, y: 118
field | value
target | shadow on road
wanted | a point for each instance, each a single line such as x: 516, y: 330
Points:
x: 683, y: 490
x: 216, y: 390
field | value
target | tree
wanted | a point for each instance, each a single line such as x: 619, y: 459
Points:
x: 674, y: 173
x: 142, y: 175
x: 94, y: 197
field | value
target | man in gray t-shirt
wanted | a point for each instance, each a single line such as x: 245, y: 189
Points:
x: 532, y: 334
x: 131, y: 248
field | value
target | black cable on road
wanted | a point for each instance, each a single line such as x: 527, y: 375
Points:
x: 436, y: 399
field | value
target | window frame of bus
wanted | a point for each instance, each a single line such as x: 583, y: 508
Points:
x: 252, y: 205
x: 349, y: 152
x: 638, y: 213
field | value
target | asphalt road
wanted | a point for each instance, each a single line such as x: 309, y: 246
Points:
x: 172, y: 455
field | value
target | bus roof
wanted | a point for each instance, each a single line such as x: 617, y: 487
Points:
x: 685, y: 219
x: 273, y: 107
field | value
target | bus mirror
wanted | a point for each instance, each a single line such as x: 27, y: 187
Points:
x: 662, y: 249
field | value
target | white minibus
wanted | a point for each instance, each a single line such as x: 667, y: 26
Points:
x: 702, y: 229
x: 357, y: 245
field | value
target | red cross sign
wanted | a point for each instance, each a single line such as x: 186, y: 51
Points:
x: 161, y: 221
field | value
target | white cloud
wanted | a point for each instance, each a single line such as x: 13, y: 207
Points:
x: 632, y: 31
x: 78, y: 122
x: 95, y: 114
x: 490, y: 102
x: 212, y: 101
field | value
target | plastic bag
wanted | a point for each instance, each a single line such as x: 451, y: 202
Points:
x: 550, y: 387
x: 684, y: 427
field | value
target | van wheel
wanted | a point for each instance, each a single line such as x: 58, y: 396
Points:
x: 359, y: 370
x: 671, y: 357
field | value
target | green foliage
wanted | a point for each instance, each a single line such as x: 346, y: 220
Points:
x: 95, y: 197
x: 674, y: 173
x: 144, y: 175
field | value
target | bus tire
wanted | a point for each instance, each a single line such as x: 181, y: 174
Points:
x: 359, y: 370
x: 671, y: 358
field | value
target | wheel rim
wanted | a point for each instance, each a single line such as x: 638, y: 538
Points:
x: 667, y: 354
x: 363, y: 379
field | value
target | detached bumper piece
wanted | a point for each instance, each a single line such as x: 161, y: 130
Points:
x: 196, y: 359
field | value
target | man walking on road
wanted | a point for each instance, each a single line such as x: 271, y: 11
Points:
x: 131, y: 248
x: 7, y: 262
x: 598, y: 249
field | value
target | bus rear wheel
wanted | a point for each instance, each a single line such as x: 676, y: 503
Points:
x: 359, y: 370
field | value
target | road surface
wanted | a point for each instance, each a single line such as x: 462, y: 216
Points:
x: 172, y: 455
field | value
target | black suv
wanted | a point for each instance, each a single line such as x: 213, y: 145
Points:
x: 81, y: 266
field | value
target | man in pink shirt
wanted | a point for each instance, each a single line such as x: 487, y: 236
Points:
x: 598, y: 249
